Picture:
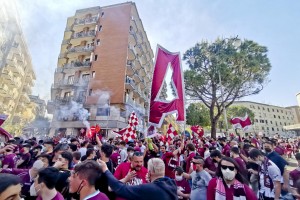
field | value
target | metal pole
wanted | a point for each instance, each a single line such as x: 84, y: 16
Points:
x: 224, y: 109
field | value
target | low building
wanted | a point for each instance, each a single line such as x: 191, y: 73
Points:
x: 271, y: 119
x: 296, y: 126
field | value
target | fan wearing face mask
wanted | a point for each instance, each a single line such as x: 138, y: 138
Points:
x: 183, y: 187
x: 44, y: 184
x: 229, y: 183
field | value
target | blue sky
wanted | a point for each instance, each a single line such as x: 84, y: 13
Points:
x: 178, y: 25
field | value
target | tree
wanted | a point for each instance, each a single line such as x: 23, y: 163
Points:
x: 237, y: 111
x: 244, y: 71
x: 197, y: 114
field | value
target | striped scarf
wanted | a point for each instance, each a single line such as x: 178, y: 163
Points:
x: 238, y: 193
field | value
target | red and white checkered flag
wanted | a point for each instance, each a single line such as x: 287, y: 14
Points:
x: 129, y: 134
x: 171, y: 133
x: 133, y: 120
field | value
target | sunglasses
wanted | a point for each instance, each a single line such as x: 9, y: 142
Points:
x: 229, y: 167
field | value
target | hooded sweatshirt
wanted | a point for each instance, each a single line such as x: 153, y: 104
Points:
x: 162, y: 188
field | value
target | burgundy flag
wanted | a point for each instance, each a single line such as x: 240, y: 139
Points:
x: 2, y: 118
x: 160, y: 108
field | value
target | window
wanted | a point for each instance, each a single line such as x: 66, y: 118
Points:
x: 267, y: 128
x: 287, y: 117
x: 266, y: 121
x: 278, y: 117
x: 93, y: 74
x: 256, y: 120
x: 282, y: 117
x: 102, y: 14
x: 277, y: 110
x: 258, y: 107
x: 281, y: 111
x: 277, y: 129
x: 271, y: 122
x: 263, y: 108
x: 274, y: 116
x: 67, y: 94
x: 263, y: 128
x: 273, y: 110
x: 268, y: 110
x: 98, y: 42
x: 90, y: 92
x: 100, y: 28
x: 103, y: 111
x: 272, y: 129
x: 280, y: 123
x: 96, y: 58
x: 276, y: 123
x: 284, y: 123
x: 71, y: 80
x: 85, y: 77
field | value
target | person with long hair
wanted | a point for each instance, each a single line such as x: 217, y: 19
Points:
x: 229, y: 183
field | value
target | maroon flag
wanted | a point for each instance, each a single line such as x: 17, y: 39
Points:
x: 198, y: 130
x: 160, y: 108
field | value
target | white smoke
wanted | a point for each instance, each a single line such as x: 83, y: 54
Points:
x: 75, y: 109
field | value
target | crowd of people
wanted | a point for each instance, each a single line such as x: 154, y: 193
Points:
x: 197, y: 168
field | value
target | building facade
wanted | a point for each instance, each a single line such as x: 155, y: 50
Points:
x: 104, y: 67
x: 270, y: 119
x: 16, y: 72
x: 296, y: 126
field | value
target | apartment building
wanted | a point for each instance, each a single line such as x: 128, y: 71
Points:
x: 16, y: 71
x: 270, y: 119
x: 105, y: 67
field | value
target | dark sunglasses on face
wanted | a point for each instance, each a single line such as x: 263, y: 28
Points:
x: 231, y: 168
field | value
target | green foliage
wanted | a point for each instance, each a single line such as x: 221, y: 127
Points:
x: 197, y: 114
x: 244, y: 71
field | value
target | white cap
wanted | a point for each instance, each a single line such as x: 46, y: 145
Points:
x: 38, y: 165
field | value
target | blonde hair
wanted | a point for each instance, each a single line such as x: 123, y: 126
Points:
x: 156, y: 166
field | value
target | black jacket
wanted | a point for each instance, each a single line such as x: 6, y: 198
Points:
x: 162, y: 188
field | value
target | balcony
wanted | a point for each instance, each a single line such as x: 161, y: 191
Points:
x: 63, y: 100
x: 25, y: 98
x: 67, y: 83
x: 81, y: 49
x: 137, y: 78
x: 77, y: 65
x: 8, y: 75
x: 131, y: 55
x: 129, y: 83
x: 130, y: 68
x: 20, y: 107
x: 91, y: 33
x: 27, y: 89
x: 90, y: 20
x: 132, y: 38
x: 4, y: 89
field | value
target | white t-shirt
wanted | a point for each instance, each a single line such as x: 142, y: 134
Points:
x: 274, y: 174
x: 82, y: 151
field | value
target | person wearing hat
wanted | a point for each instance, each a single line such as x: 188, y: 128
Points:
x: 27, y: 176
x: 200, y: 179
x: 25, y: 157
x: 49, y: 147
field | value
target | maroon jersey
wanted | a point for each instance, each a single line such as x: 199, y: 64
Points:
x: 116, y: 159
x: 171, y: 162
x: 10, y: 160
x: 294, y: 176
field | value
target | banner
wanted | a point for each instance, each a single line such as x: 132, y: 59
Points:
x: 160, y: 108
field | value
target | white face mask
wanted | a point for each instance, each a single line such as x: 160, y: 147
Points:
x: 32, y: 191
x: 228, y: 174
x: 178, y: 178
x: 131, y: 154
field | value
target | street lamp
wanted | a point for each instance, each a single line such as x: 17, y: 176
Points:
x: 236, y: 42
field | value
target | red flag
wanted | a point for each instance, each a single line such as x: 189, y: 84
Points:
x: 242, y: 123
x: 198, y: 129
x: 171, y: 132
